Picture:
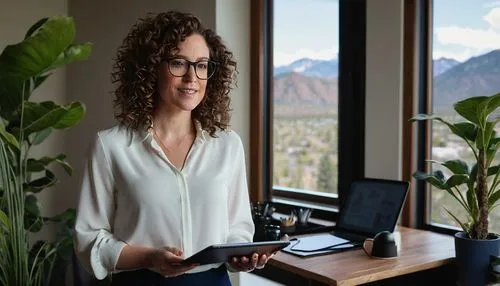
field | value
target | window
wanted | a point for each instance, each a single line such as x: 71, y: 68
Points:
x: 307, y: 133
x: 463, y: 60
x: 466, y: 62
x: 305, y: 95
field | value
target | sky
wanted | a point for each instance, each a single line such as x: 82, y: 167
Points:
x: 309, y: 29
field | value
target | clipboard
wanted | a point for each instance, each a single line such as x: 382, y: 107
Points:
x: 319, y: 244
x: 224, y: 252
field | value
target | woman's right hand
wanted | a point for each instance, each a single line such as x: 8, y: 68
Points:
x: 167, y: 261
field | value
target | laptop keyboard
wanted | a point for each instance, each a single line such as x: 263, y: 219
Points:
x: 349, y: 236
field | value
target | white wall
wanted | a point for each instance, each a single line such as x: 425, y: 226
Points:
x: 384, y: 65
x: 233, y: 25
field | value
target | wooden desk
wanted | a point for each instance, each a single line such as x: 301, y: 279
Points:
x: 419, y: 250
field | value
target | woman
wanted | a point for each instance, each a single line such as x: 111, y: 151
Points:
x: 170, y: 179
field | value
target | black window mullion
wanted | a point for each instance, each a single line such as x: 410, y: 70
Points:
x: 352, y: 66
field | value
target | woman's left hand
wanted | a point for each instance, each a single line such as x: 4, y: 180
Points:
x: 248, y: 264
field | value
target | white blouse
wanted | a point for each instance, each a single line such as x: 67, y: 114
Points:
x: 132, y: 194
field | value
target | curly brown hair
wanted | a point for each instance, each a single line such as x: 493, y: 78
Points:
x: 150, y: 41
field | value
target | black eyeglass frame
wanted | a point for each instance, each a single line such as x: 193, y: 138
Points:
x: 193, y: 64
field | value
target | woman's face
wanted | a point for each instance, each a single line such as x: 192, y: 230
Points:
x: 183, y: 92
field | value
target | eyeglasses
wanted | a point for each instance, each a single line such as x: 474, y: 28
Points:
x: 203, y: 69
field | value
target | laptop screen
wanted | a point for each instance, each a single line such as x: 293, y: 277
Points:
x: 372, y: 206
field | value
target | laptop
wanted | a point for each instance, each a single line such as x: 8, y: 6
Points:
x: 372, y: 206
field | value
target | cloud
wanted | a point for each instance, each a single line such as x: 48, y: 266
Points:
x: 493, y: 18
x: 492, y: 4
x: 281, y: 58
x: 477, y: 39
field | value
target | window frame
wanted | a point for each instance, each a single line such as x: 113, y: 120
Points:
x: 351, y: 129
x: 423, y: 130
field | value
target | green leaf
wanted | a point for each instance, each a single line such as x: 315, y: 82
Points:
x: 456, y: 180
x: 477, y: 109
x: 34, y: 166
x: 484, y: 135
x: 35, y: 54
x: 38, y: 137
x: 466, y: 130
x: 32, y: 220
x: 31, y: 205
x: 471, y: 109
x: 423, y: 116
x: 37, y: 117
x: 75, y: 52
x: 40, y: 164
x: 38, y: 185
x: 436, y: 178
x: 472, y: 203
x: 68, y: 217
x: 464, y: 227
x: 492, y: 150
x: 10, y: 94
x: 75, y: 112
x: 493, y: 170
x: 7, y: 137
x: 493, y: 104
x: 35, y: 27
x: 4, y: 220
x: 494, y: 197
x: 455, y: 166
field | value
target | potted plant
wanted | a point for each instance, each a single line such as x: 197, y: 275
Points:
x: 24, y: 123
x: 475, y: 187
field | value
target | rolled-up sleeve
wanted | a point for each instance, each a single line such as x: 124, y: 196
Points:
x: 97, y: 249
x: 241, y: 227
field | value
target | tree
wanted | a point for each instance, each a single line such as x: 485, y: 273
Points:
x: 326, y: 179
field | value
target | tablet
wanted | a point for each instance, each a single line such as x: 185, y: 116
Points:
x: 224, y: 252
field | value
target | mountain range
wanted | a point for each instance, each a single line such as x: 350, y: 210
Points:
x: 329, y: 68
x: 308, y: 82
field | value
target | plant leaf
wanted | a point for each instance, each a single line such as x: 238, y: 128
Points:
x: 68, y: 217
x: 472, y: 203
x: 40, y: 164
x: 4, y: 220
x: 467, y: 130
x: 39, y: 184
x: 464, y: 227
x: 75, y: 112
x: 38, y: 117
x: 436, y: 178
x: 456, y: 180
x: 477, y: 109
x: 492, y: 150
x: 33, y: 222
x: 39, y: 51
x: 40, y: 136
x: 464, y: 130
x: 75, y: 52
x: 493, y: 170
x: 494, y: 197
x: 35, y: 27
x: 484, y: 135
x: 455, y: 166
x: 7, y: 137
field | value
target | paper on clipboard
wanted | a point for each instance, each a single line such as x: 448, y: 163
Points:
x: 317, y: 241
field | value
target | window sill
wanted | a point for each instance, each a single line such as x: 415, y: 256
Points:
x: 321, y: 212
